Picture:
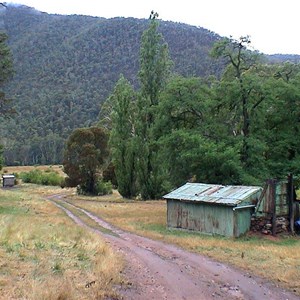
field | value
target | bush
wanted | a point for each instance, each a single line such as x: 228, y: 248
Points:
x: 43, y: 178
x: 101, y: 188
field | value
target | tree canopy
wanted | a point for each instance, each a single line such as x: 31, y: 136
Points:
x: 86, y: 157
x: 236, y: 129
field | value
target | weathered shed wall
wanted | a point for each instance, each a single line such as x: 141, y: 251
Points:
x: 242, y: 221
x: 212, y: 219
x: 212, y: 209
x: 265, y: 207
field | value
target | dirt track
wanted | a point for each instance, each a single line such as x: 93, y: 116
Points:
x: 161, y: 271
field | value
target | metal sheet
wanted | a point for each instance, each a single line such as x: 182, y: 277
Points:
x: 200, y: 217
x: 218, y: 194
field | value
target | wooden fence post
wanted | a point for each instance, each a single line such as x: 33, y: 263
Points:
x: 291, y: 199
x: 273, y: 197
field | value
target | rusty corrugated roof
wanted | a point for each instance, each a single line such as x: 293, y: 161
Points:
x: 199, y: 192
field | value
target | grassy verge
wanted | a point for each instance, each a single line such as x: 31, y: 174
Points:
x: 277, y: 259
x: 44, y: 256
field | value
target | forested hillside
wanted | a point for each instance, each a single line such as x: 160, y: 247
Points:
x: 66, y: 66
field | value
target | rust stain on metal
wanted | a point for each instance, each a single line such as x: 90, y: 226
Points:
x: 209, y: 193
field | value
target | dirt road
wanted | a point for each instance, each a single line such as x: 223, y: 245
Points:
x: 161, y: 271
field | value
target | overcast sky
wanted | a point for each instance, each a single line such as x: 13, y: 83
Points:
x: 273, y: 25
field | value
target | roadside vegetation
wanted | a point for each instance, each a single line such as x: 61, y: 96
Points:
x: 44, y: 256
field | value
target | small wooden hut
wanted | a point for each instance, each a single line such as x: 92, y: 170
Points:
x: 212, y: 209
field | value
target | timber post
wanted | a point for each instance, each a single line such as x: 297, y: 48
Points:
x: 291, y: 200
x: 273, y: 205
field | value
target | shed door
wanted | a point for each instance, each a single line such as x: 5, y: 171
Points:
x: 179, y: 216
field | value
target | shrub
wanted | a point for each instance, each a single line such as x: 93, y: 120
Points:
x: 103, y: 188
x: 43, y: 178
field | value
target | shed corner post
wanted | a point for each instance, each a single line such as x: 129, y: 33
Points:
x: 167, y: 202
x: 235, y: 225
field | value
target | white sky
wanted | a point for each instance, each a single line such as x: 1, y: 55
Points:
x: 273, y: 25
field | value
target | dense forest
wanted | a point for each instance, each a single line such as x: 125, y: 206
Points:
x: 67, y: 66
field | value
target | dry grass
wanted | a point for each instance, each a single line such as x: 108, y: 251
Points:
x: 19, y: 169
x: 277, y: 259
x: 44, y: 256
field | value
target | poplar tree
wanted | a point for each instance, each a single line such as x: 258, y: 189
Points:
x: 154, y: 71
x: 122, y: 137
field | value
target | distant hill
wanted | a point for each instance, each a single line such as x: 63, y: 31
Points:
x: 66, y: 66
x: 278, y: 58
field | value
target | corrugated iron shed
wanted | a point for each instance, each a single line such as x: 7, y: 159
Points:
x: 214, y: 194
x: 212, y: 209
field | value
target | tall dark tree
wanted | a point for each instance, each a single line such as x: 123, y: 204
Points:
x: 192, y: 144
x: 282, y: 126
x: 122, y: 137
x: 154, y: 71
x: 154, y: 62
x: 241, y: 89
x: 85, y: 157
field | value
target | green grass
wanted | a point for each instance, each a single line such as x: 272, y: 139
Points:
x: 288, y: 241
x: 12, y: 210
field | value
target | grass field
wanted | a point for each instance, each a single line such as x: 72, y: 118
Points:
x: 277, y: 259
x: 44, y: 256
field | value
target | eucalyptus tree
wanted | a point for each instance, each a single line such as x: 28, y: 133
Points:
x: 192, y: 143
x: 241, y: 90
x: 283, y: 120
x: 85, y: 157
